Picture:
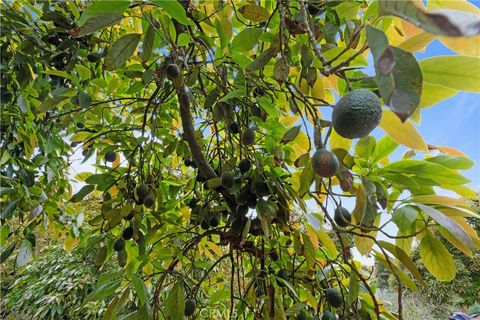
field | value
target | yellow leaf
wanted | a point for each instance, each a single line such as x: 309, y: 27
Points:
x: 464, y: 46
x: 300, y: 144
x: 214, y: 248
x: 359, y: 210
x: 437, y: 259
x: 328, y: 244
x: 318, y: 90
x: 451, y: 151
x: 434, y: 93
x: 409, y: 29
x: 440, y: 200
x: 457, y: 243
x: 460, y: 5
x: 288, y: 121
x: 339, y: 142
x: 69, y: 241
x: 418, y: 42
x: 463, y: 191
x: 313, y: 236
x: 402, y: 133
x: 363, y: 245
x: 468, y: 229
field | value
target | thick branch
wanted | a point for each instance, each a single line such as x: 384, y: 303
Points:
x: 202, y: 164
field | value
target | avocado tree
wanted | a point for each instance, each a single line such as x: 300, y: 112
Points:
x: 212, y: 145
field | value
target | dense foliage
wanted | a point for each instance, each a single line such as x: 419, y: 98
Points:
x: 208, y: 131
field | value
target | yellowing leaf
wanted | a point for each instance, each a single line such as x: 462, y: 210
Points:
x: 440, y: 200
x: 328, y: 244
x: 254, y: 13
x: 464, y: 46
x: 457, y: 243
x: 437, y: 259
x: 451, y: 151
x: 418, y: 42
x: 455, y: 72
x: 318, y: 90
x: 460, y: 5
x: 403, y: 133
x: 360, y: 205
x: 214, y: 248
x: 313, y: 236
x: 69, y: 241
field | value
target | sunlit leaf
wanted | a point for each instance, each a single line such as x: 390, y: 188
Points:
x: 437, y: 259
x: 403, y: 133
x: 121, y: 50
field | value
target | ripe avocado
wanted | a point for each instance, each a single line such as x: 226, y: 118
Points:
x: 356, y: 114
x: 234, y: 128
x: 325, y: 163
x: 173, y: 71
x: 190, y: 305
x: 334, y: 298
x: 127, y: 233
x: 110, y: 156
x: 205, y: 224
x: 244, y: 165
x: 342, y: 217
x: 119, y: 245
x: 149, y: 201
x: 93, y: 57
x: 142, y: 191
x: 248, y: 137
x: 228, y: 180
x: 260, y: 188
x: 80, y: 125
x: 214, y: 221
x: 241, y: 210
x: 328, y: 315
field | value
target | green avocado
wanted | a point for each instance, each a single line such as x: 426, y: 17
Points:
x: 244, y: 165
x: 301, y: 315
x: 325, y: 163
x: 190, y: 305
x: 356, y: 114
x: 110, y: 156
x: 149, y: 201
x: 342, y: 217
x: 228, y: 180
x: 248, y: 137
x: 142, y: 191
x: 328, y: 315
x: 119, y: 245
x: 334, y: 298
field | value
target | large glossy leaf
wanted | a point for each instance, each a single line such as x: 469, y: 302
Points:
x: 24, y: 254
x: 444, y: 22
x: 463, y: 72
x: 106, y: 285
x: 452, y: 162
x: 246, y: 39
x: 103, y: 8
x: 82, y: 193
x: 383, y: 148
x: 175, y: 302
x: 174, y: 10
x: 437, y: 259
x: 434, y: 93
x: 140, y: 288
x: 97, y: 23
x: 8, y: 210
x: 403, y: 257
x: 254, y: 13
x: 121, y: 50
x: 403, y: 133
x: 453, y: 227
x: 398, y: 74
x: 394, y: 269
x: 425, y: 169
x: 404, y: 217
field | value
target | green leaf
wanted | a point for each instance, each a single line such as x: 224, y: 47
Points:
x: 425, y: 169
x: 50, y: 103
x: 398, y: 74
x: 291, y: 134
x: 436, y: 258
x: 147, y: 45
x: 24, y: 254
x: 452, y: 162
x: 245, y: 40
x: 384, y: 147
x: 7, y: 252
x: 462, y: 73
x: 100, y: 179
x: 434, y: 93
x: 281, y: 70
x: 140, y: 288
x: 103, y: 8
x: 403, y: 258
x: 404, y: 217
x: 452, y: 226
x: 107, y: 284
x: 365, y: 146
x: 8, y: 210
x: 309, y: 252
x: 175, y: 302
x: 394, y: 269
x: 121, y: 50
x: 306, y: 178
x: 98, y: 22
x: 82, y: 193
x: 232, y: 95
x: 353, y: 287
x: 262, y: 60
x: 444, y: 22
x: 174, y: 10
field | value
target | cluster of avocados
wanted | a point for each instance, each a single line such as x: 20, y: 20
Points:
x: 145, y: 195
